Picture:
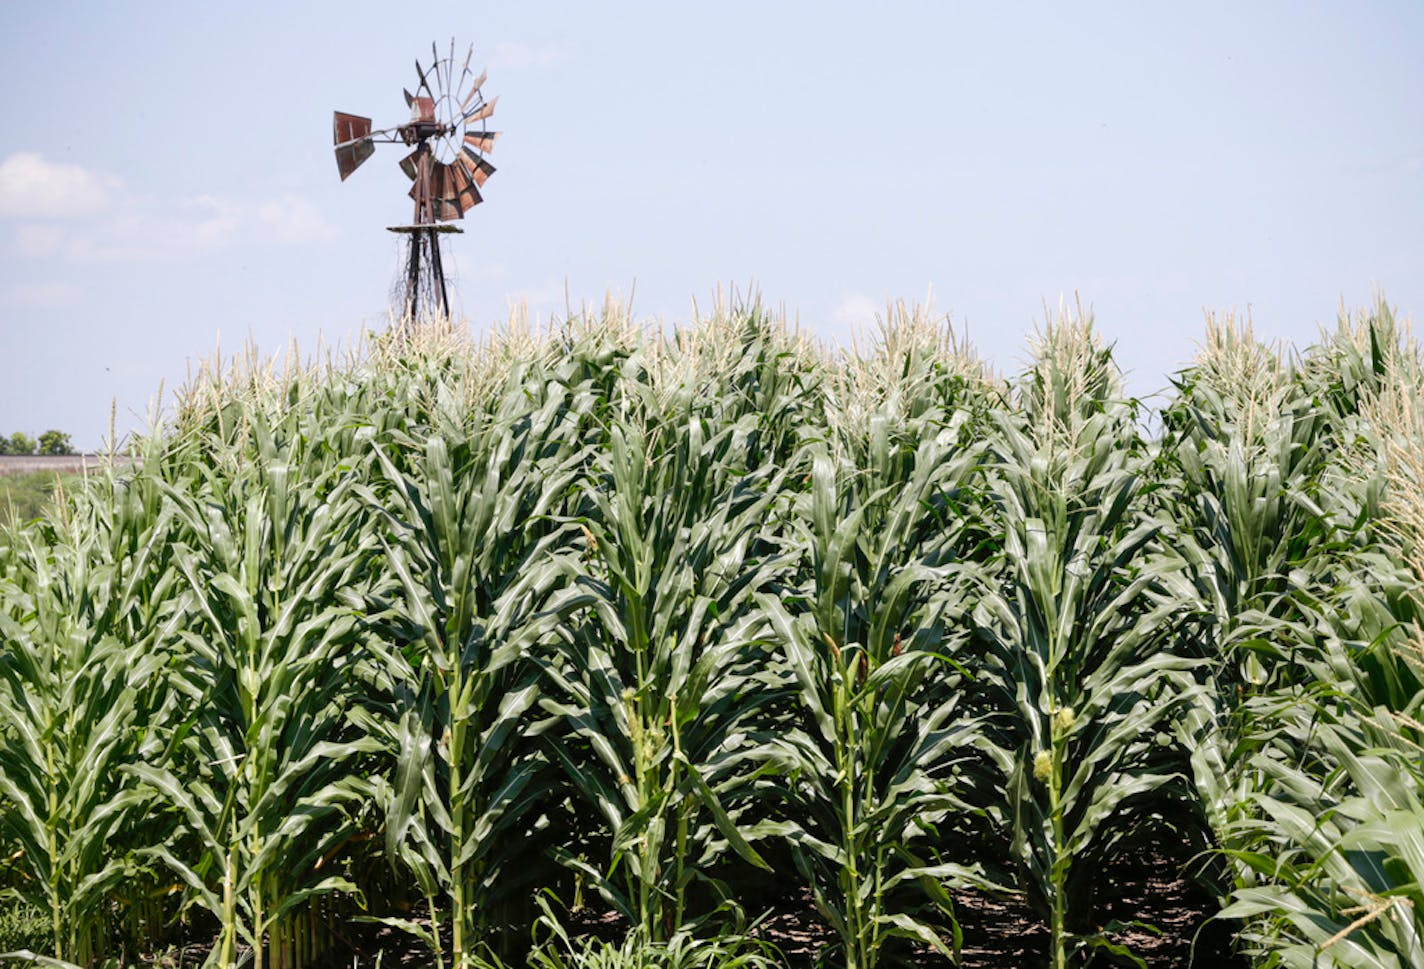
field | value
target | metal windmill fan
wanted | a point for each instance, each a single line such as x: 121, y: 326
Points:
x: 449, y: 134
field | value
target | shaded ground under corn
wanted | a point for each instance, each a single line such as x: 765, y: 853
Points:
x: 1003, y: 933
x: 999, y: 933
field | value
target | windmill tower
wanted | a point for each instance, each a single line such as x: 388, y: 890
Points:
x: 449, y: 137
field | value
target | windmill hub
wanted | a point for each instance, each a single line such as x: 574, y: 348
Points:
x: 449, y: 133
x: 422, y: 123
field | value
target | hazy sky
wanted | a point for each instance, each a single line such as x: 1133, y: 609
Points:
x: 166, y: 172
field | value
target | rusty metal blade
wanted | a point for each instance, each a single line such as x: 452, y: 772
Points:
x: 349, y: 127
x: 482, y: 141
x: 469, y: 197
x: 352, y: 134
x: 443, y: 178
x: 452, y: 191
x: 464, y: 193
x: 446, y: 204
x: 408, y: 165
x: 468, y: 57
x: 479, y: 169
x: 350, y: 156
x: 423, y: 82
x: 474, y: 90
x: 456, y: 178
x: 483, y: 111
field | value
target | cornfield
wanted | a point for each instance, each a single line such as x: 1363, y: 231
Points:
x: 452, y: 637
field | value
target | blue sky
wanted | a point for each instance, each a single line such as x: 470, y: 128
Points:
x: 166, y: 173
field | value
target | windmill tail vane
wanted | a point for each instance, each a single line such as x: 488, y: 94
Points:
x: 449, y: 137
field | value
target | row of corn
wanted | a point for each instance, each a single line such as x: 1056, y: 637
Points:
x: 451, y: 634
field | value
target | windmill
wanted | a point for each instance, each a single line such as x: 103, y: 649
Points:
x: 449, y: 136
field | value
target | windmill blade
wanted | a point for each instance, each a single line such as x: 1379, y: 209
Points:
x: 352, y: 134
x: 465, y: 71
x: 349, y: 157
x: 349, y: 127
x: 482, y: 141
x: 452, y: 192
x: 474, y: 90
x: 462, y: 185
x: 479, y: 169
x: 408, y: 165
x: 445, y: 205
x: 449, y: 203
x: 483, y: 111
x: 424, y: 83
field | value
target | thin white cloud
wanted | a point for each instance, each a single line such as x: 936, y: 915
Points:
x: 513, y: 55
x: 293, y: 220
x: 33, y: 188
x: 288, y: 219
x: 135, y: 229
x: 118, y: 224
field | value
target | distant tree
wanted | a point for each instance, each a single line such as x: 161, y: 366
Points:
x: 55, y: 442
x: 21, y: 443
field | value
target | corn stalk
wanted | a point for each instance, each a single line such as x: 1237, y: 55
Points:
x: 477, y: 555
x: 1076, y: 634
x: 662, y: 676
x: 84, y: 618
x: 869, y: 638
x: 260, y: 772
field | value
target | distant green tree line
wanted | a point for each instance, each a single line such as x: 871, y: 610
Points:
x: 50, y: 442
